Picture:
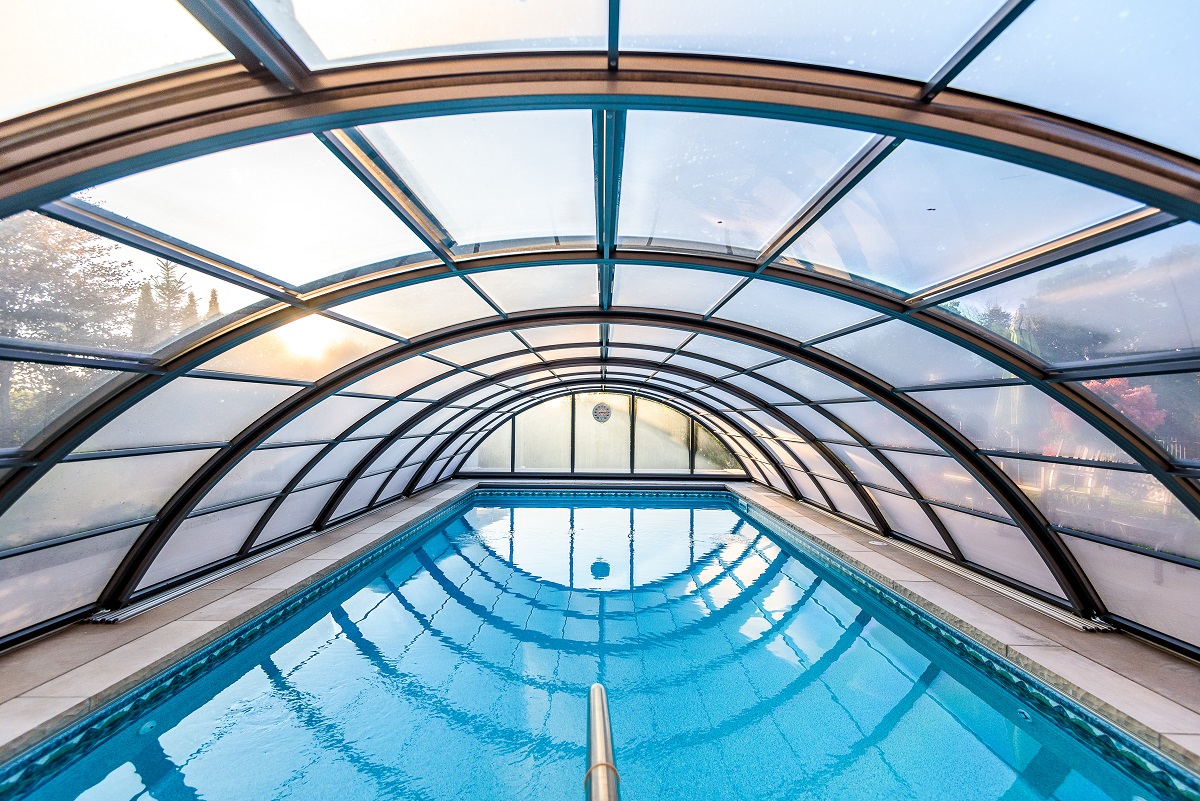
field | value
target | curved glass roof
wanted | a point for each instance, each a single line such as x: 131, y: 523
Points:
x: 929, y: 266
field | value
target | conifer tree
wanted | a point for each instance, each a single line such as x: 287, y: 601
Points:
x: 189, y: 315
x: 214, y: 306
x: 146, y: 319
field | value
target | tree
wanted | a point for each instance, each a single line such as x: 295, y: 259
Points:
x: 214, y: 306
x: 146, y: 322
x: 189, y: 315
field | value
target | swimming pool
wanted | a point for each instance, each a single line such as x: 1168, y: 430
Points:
x: 738, y: 665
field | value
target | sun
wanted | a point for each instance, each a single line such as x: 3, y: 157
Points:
x: 309, y: 337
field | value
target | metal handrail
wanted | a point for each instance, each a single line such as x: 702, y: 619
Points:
x: 601, y: 782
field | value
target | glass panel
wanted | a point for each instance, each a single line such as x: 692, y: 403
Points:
x: 1129, y: 507
x: 262, y: 472
x: 1165, y: 407
x: 189, y: 411
x: 305, y: 350
x: 337, y: 34
x: 908, y: 517
x: 1160, y: 595
x: 661, y: 439
x: 810, y: 383
x: 728, y: 182
x: 56, y: 50
x: 399, y: 378
x: 999, y: 547
x: 1122, y: 65
x: 602, y: 433
x: 940, y: 478
x: 928, y: 213
x: 494, y: 453
x: 909, y: 39
x: 296, y: 513
x: 326, y: 420
x: 735, y: 353
x: 694, y: 291
x: 202, y: 540
x: 865, y: 467
x: 880, y: 425
x: 1136, y: 297
x: 762, y: 391
x: 340, y: 461
x: 845, y: 501
x: 320, y: 218
x: 32, y: 396
x: 792, y: 312
x: 479, y: 348
x: 499, y: 176
x: 390, y: 419
x: 711, y: 454
x: 541, y: 287
x: 42, y: 584
x: 359, y: 496
x: 63, y: 284
x: 816, y: 423
x: 646, y: 335
x: 904, y: 355
x: 420, y: 308
x: 81, y: 496
x: 399, y: 481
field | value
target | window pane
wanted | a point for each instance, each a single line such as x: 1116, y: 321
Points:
x: 1125, y: 66
x: 810, y: 383
x: 544, y: 436
x: 1020, y: 419
x: 81, y: 496
x: 807, y: 487
x: 817, y: 424
x: 661, y: 439
x: 479, y: 348
x: 399, y: 378
x: 390, y: 419
x: 1129, y: 507
x: 560, y: 335
x: 722, y: 181
x: 904, y: 355
x: 297, y: 512
x: 56, y: 50
x: 602, y: 434
x: 305, y: 350
x: 764, y: 392
x: 940, y: 478
x: 203, y: 540
x: 34, y: 395
x: 647, y: 335
x: 795, y: 313
x: 320, y: 218
x: 928, y: 213
x: 728, y: 351
x: 1165, y: 407
x: 880, y: 425
x: 262, y: 472
x: 359, y: 496
x: 711, y: 454
x: 427, y: 447
x: 328, y: 34
x: 908, y: 39
x: 908, y: 517
x: 1136, y: 297
x: 865, y: 467
x: 339, y: 462
x: 398, y: 482
x: 494, y: 452
x: 999, y: 547
x: 499, y: 176
x: 326, y: 420
x: 396, y: 453
x: 189, y: 411
x: 695, y: 291
x: 541, y: 287
x: 419, y: 308
x: 845, y: 500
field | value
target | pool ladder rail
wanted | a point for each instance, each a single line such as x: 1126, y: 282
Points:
x: 601, y: 782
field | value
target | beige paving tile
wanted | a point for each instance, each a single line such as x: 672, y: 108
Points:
x: 989, y: 622
x: 235, y: 604
x: 21, y: 717
x: 348, y: 546
x: 888, y: 567
x: 296, y: 575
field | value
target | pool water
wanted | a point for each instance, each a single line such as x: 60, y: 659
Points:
x: 736, y: 667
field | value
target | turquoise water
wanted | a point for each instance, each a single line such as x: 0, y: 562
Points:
x: 736, y: 668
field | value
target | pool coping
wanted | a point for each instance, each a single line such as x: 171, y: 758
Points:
x: 60, y: 694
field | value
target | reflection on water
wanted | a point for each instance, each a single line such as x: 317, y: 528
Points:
x: 734, y: 668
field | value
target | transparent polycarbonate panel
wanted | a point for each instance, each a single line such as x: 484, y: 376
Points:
x: 940, y: 478
x: 390, y: 419
x: 762, y: 391
x: 1165, y: 407
x: 431, y: 473
x: 1122, y: 65
x: 910, y: 39
x: 438, y: 420
x: 451, y: 467
x: 722, y: 182
x: 777, y: 449
x: 637, y: 353
x: 498, y: 176
x: 399, y: 378
x: 262, y: 472
x: 398, y: 482
x: 319, y: 219
x: 52, y: 51
x: 296, y: 513
x: 513, y: 362
x: 999, y: 547
x: 791, y: 312
x: 359, y: 496
x: 648, y: 335
x: 445, y: 386
x: 1126, y: 506
x: 880, y: 425
x: 1136, y: 297
x: 426, y: 448
x: 546, y: 336
x: 395, y: 454
x: 419, y: 308
x: 904, y: 355
x: 648, y: 286
x: 545, y: 287
x: 699, y: 366
x: 494, y: 453
x: 338, y: 34
x: 602, y: 430
x: 1020, y: 419
x: 807, y: 382
x: 327, y: 420
x: 43, y: 584
x: 928, y: 213
x: 478, y: 349
x: 813, y: 460
x: 866, y: 467
x: 724, y: 399
x: 305, y: 349
x: 735, y: 353
x: 32, y: 396
x: 1158, y: 594
x: 202, y: 540
x: 908, y: 517
x: 63, y: 284
x: 188, y: 411
x: 816, y: 424
x: 81, y: 496
x: 338, y: 462
x: 807, y: 487
x: 773, y: 426
x: 845, y: 501
x: 712, y: 456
